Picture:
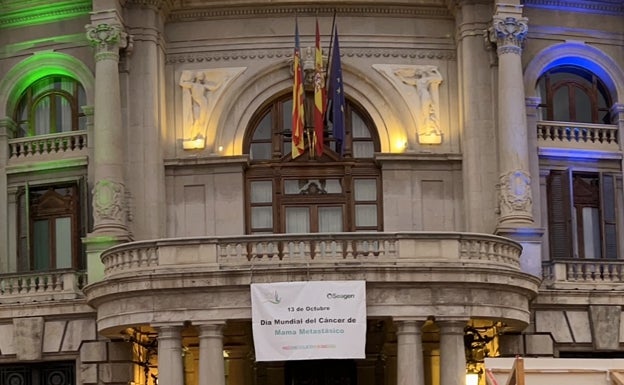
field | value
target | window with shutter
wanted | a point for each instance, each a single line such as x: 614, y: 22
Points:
x: 582, y: 215
x: 50, y: 227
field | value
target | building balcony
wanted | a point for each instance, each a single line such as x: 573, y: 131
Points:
x: 50, y: 147
x: 408, y: 274
x: 45, y: 286
x: 562, y: 137
x: 587, y: 274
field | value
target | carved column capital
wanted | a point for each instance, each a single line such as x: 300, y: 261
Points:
x: 509, y: 34
x: 108, y: 39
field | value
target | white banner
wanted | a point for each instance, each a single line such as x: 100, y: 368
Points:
x: 309, y: 320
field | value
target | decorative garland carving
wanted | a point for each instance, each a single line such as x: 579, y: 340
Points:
x: 515, y: 193
x: 109, y: 201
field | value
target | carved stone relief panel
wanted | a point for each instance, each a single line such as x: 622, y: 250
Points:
x: 419, y: 85
x: 201, y: 89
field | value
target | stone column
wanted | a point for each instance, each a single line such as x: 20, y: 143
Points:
x: 410, y: 368
x: 170, y: 368
x: 109, y: 204
x: 452, y: 353
x: 515, y: 200
x: 211, y: 363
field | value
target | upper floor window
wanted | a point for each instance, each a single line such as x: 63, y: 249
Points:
x: 49, y: 227
x: 573, y: 94
x: 582, y: 214
x: 331, y: 193
x: 51, y: 105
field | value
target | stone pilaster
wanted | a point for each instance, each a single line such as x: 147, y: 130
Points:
x: 7, y: 129
x: 410, y: 368
x: 211, y: 363
x: 476, y: 77
x: 170, y: 368
x: 109, y: 204
x: 145, y: 176
x: 509, y: 31
x: 452, y: 353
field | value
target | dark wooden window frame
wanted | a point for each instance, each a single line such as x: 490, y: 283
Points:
x: 49, y: 206
x: 331, y: 165
x: 593, y: 88
x: 567, y: 192
x: 32, y: 97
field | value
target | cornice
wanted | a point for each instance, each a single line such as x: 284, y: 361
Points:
x: 610, y: 7
x: 267, y: 54
x: 30, y: 12
x: 264, y: 10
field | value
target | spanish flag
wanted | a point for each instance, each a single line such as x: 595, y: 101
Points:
x: 320, y: 97
x: 298, y: 119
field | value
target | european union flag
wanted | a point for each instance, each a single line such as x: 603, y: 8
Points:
x: 335, y: 97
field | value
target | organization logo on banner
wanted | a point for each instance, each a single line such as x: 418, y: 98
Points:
x: 309, y: 320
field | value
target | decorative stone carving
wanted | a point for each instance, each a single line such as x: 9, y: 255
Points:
x: 108, y: 39
x: 200, y: 91
x: 509, y: 34
x: 515, y: 195
x: 419, y: 85
x: 108, y: 201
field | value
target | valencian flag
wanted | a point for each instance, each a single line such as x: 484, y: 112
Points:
x: 320, y: 98
x: 336, y: 99
x: 298, y: 97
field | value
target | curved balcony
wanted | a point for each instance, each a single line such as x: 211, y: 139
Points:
x: 408, y: 274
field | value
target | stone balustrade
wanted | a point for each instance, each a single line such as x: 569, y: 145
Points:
x: 39, y: 145
x: 584, y: 273
x: 305, y: 250
x: 41, y: 286
x: 600, y: 137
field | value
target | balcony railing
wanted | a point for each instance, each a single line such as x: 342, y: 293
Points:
x: 600, y: 137
x: 39, y: 145
x: 584, y: 273
x: 312, y: 250
x: 41, y: 286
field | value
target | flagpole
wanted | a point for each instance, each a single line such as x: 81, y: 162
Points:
x: 331, y: 41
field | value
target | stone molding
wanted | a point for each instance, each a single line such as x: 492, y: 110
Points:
x: 280, y: 10
x: 245, y: 55
x: 612, y: 7
x: 22, y: 13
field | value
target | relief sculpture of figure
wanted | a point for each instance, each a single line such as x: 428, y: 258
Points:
x: 196, y: 88
x: 426, y: 79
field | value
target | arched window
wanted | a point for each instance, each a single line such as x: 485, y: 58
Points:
x: 51, y: 105
x: 573, y: 94
x: 330, y: 193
